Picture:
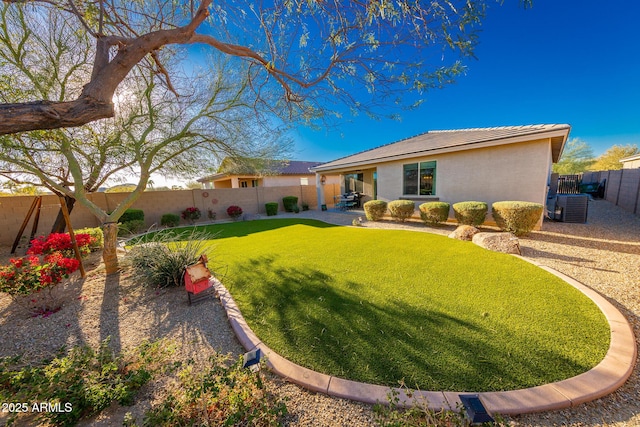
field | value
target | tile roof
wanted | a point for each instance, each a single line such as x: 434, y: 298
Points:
x: 453, y: 140
x: 273, y: 167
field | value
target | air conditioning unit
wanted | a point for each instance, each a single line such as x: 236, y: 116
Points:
x: 572, y: 207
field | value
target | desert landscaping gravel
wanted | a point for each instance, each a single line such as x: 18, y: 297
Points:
x: 604, y: 254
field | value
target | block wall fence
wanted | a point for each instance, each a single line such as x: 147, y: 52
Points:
x: 14, y: 209
x: 622, y: 187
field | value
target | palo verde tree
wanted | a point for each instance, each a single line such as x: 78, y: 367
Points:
x: 153, y: 131
x: 313, y: 51
x: 610, y: 159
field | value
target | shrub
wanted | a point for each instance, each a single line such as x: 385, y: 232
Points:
x: 132, y: 215
x: 305, y: 206
x: 470, y: 213
x: 272, y: 208
x: 289, y: 202
x: 159, y: 259
x: 215, y: 394
x: 375, y: 209
x: 434, y: 212
x: 234, y: 212
x: 401, y: 210
x: 211, y: 214
x: 84, y: 382
x: 97, y: 237
x: 60, y: 242
x: 518, y: 218
x: 296, y: 209
x: 130, y: 227
x: 170, y: 220
x: 191, y: 214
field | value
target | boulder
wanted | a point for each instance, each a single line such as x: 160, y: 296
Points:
x: 464, y: 232
x: 498, y: 242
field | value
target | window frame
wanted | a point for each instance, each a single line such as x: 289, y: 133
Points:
x: 415, y: 172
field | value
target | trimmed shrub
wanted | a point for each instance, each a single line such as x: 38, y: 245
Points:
x: 130, y: 227
x: 400, y: 210
x: 132, y: 215
x: 289, y: 203
x: 518, y: 218
x: 97, y: 237
x: 272, y: 208
x: 470, y: 213
x: 305, y: 206
x: 374, y: 209
x: 434, y: 212
x: 170, y: 220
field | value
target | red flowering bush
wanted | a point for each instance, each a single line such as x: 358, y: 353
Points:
x: 61, y: 242
x: 191, y: 214
x: 234, y: 211
x: 24, y: 276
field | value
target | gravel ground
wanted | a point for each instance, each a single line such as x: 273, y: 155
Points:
x: 604, y: 254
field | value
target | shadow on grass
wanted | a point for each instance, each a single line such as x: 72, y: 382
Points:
x: 304, y: 315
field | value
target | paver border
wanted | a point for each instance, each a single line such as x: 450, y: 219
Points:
x: 606, y: 377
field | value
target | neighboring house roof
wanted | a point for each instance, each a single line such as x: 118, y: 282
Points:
x: 444, y: 141
x: 275, y: 167
x: 630, y: 158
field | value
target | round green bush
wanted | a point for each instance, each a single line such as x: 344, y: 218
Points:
x: 470, y: 213
x: 434, y: 212
x: 289, y: 202
x: 518, y: 218
x: 170, y: 220
x: 272, y: 208
x: 374, y: 209
x: 401, y: 210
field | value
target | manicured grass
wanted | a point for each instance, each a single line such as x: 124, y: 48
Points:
x: 382, y: 306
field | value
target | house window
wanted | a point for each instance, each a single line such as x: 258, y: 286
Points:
x: 354, y: 183
x: 304, y: 181
x: 419, y: 179
x: 254, y: 182
x: 243, y: 184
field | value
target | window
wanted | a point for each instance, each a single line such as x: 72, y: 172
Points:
x: 243, y: 184
x: 419, y: 179
x: 353, y: 183
x: 254, y: 182
x: 304, y: 181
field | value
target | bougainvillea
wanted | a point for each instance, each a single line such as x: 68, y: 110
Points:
x: 234, y: 211
x: 61, y: 242
x: 191, y: 213
x: 24, y: 276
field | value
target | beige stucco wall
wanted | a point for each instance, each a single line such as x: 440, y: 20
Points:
x: 631, y: 164
x: 507, y: 172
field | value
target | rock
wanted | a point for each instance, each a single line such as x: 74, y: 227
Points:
x: 498, y: 242
x: 463, y: 232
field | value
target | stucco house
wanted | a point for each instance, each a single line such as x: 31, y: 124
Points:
x: 270, y: 173
x: 631, y: 162
x: 485, y: 164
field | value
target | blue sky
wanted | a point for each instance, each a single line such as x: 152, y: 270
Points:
x: 562, y: 61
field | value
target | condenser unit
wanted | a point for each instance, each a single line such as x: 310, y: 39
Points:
x: 572, y: 207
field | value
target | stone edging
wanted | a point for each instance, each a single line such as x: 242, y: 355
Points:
x: 610, y: 374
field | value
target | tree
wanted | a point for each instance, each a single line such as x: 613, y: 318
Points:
x: 610, y: 159
x: 576, y: 157
x: 153, y: 131
x: 313, y: 51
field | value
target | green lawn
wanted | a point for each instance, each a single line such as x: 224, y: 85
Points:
x: 381, y: 306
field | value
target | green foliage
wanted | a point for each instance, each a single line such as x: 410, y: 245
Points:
x: 216, y: 395
x: 289, y: 203
x: 132, y: 215
x: 130, y: 227
x: 170, y: 220
x: 97, y: 237
x: 518, y: 218
x: 84, y: 382
x: 401, y: 210
x: 272, y: 208
x: 577, y: 157
x: 305, y: 206
x: 610, y: 159
x: 123, y: 188
x: 434, y: 212
x: 470, y: 213
x: 374, y: 210
x: 159, y: 259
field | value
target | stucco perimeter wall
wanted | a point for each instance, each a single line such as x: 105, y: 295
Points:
x: 13, y: 210
x: 508, y: 172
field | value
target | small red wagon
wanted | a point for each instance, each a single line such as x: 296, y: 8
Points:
x: 196, y: 280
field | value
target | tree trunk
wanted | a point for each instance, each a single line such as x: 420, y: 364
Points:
x: 109, y: 254
x: 60, y: 224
